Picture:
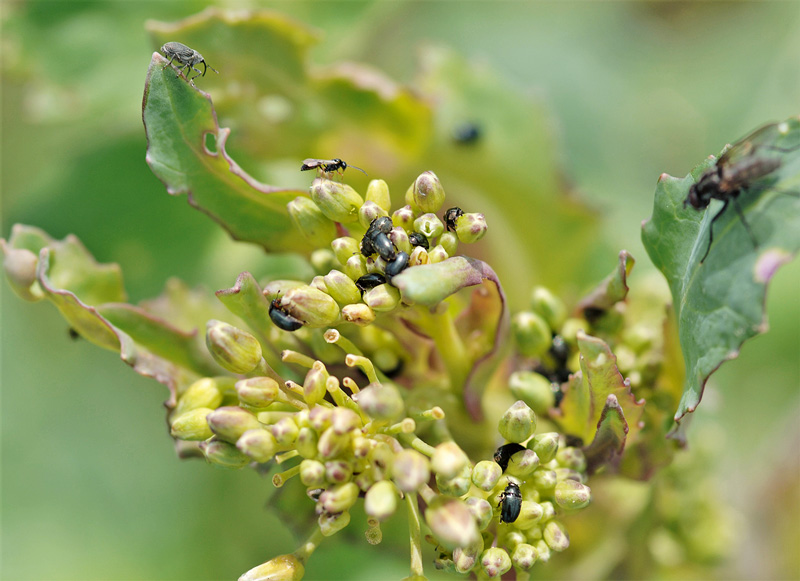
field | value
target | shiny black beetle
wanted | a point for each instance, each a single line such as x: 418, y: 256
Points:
x: 370, y: 281
x: 503, y: 454
x: 281, y: 318
x: 510, y: 503
x: 451, y: 216
x: 419, y: 239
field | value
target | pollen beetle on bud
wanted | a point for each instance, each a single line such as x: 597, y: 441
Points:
x: 503, y: 454
x: 510, y: 503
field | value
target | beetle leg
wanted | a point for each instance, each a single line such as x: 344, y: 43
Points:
x: 169, y: 63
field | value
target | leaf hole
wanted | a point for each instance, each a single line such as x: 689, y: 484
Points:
x: 210, y: 143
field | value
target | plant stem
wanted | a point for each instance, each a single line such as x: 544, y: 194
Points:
x: 415, y: 536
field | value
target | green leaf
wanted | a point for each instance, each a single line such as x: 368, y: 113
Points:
x: 609, y: 439
x: 719, y: 303
x: 613, y: 289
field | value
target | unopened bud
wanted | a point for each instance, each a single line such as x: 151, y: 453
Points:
x: 571, y: 457
x: 471, y: 227
x: 543, y: 551
x: 427, y: 193
x: 495, y: 562
x: 338, y: 471
x: 339, y: 497
x: 518, y: 423
x: 285, y: 431
x: 192, y: 425
x: 449, y: 241
x: 571, y: 494
x: 448, y: 460
x: 545, y: 445
x: 344, y: 420
x: 339, y: 202
x: 283, y: 568
x: 437, y: 254
x: 313, y: 307
x: 230, y: 422
x: 549, y: 307
x: 534, y: 389
x: 355, y: 267
x: 331, y: 444
x: 531, y: 333
x: 203, y: 393
x: 224, y: 454
x: 312, y: 473
x: 258, y: 443
x: 555, y: 535
x: 523, y: 463
x: 381, y: 500
x: 380, y: 401
x: 544, y: 479
x: 378, y: 192
x: 323, y: 259
x: 368, y: 212
x: 465, y: 558
x: 319, y: 418
x: 458, y: 485
x: 257, y: 392
x: 330, y: 524
x: 530, y: 514
x: 314, y: 385
x: 382, y: 458
x: 311, y: 222
x: 418, y: 256
x: 236, y: 350
x: 306, y: 443
x: 358, y: 314
x: 481, y: 510
x: 399, y: 237
x: 452, y: 522
x: 318, y: 282
x: 344, y: 248
x: 524, y: 556
x: 411, y: 470
x: 20, y: 267
x: 404, y: 218
x: 486, y: 474
x: 430, y: 225
x: 382, y: 298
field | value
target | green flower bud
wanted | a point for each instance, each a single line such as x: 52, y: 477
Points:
x: 319, y: 418
x: 548, y: 511
x: 259, y: 444
x: 355, y: 267
x: 471, y: 227
x: 531, y: 333
x: 223, y: 454
x: 318, y: 282
x: 449, y: 460
x: 543, y: 551
x: 481, y: 510
x: 380, y: 401
x: 418, y: 256
x: 555, y: 535
x: 571, y: 457
x: 285, y: 431
x: 283, y: 568
x: 495, y: 562
x: 323, y: 259
x: 437, y: 254
x: 549, y: 307
x: 313, y: 307
x: 399, y: 238
x: 411, y: 470
x: 544, y: 479
x: 381, y: 457
x: 378, y: 192
x: 449, y: 241
x: 191, y: 425
x: 236, y: 350
x: 404, y: 218
x: 518, y: 423
x: 568, y: 474
x: 382, y: 298
x: 277, y: 288
x: 203, y: 393
x: 369, y: 212
x: 330, y: 524
x: 524, y: 556
x: 512, y: 537
x: 315, y: 384
x: 570, y: 328
x: 430, y: 225
x: 361, y: 445
x: 306, y: 443
x: 571, y: 494
x: 365, y: 479
x: 381, y: 500
x: 332, y: 444
x: 358, y: 314
x: 339, y: 202
x: 344, y: 248
x: 530, y: 514
x: 545, y: 446
x: 456, y: 486
x: 486, y: 474
x: 257, y: 392
x: 339, y: 497
x: 20, y: 265
x: 523, y: 463
x: 311, y: 222
x: 344, y: 420
x: 312, y: 473
x: 338, y: 471
x: 465, y: 558
x: 534, y: 389
x: 230, y: 422
x: 427, y: 193
x: 451, y: 522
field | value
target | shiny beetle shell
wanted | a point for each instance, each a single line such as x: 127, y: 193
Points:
x: 510, y: 503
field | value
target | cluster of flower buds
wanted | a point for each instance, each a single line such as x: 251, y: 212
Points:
x: 368, y: 246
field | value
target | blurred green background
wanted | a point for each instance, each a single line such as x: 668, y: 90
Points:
x: 91, y: 487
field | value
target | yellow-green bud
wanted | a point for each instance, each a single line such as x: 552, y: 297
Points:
x: 358, y: 314
x: 365, y: 479
x: 430, y: 225
x: 545, y: 445
x: 224, y: 454
x: 339, y: 202
x: 531, y: 333
x: 330, y: 524
x: 568, y: 474
x: 544, y: 479
x: 312, y: 473
x: 571, y: 457
x: 192, y: 425
x: 342, y: 288
x: 549, y: 307
x: 355, y: 267
x: 555, y: 535
x: 570, y: 328
x: 378, y: 192
x: 481, y: 510
x: 404, y: 218
x: 452, y: 522
x: 20, y: 266
x: 323, y: 259
x: 530, y: 514
x: 449, y: 241
x: 306, y: 443
x: 512, y: 537
x: 277, y: 288
x: 313, y: 307
x: 458, y: 485
x: 381, y: 500
x: 486, y: 474
x: 370, y: 211
x: 339, y: 497
x: 542, y: 550
x: 318, y: 282
x: 465, y: 558
x: 331, y: 444
x: 548, y: 511
x: 203, y: 393
x: 518, y: 423
x: 399, y: 237
x: 495, y: 562
x: 524, y: 556
x: 471, y: 227
x: 344, y: 420
x: 571, y: 494
x: 338, y: 471
x: 437, y: 254
x: 523, y: 463
x: 283, y: 568
x: 259, y: 444
x: 381, y: 457
x: 311, y: 222
x: 411, y: 470
x: 534, y: 389
x: 319, y: 418
x: 285, y: 431
x: 344, y: 248
x: 257, y: 392
x: 418, y: 256
x: 427, y: 193
x: 230, y: 422
x: 448, y: 460
x: 380, y: 401
x: 236, y: 350
x: 382, y: 298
